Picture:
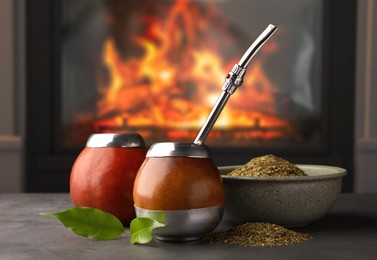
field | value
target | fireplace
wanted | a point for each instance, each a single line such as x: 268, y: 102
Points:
x: 156, y: 68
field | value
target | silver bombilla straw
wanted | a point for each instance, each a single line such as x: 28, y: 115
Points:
x: 232, y: 81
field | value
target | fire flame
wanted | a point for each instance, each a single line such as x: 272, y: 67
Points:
x: 174, y: 84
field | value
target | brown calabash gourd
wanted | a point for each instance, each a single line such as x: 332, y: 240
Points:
x: 173, y: 183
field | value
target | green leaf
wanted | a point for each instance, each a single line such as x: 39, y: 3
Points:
x: 90, y: 222
x: 141, y: 229
x: 158, y: 216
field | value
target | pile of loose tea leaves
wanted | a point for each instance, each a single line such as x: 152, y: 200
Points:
x: 268, y: 165
x: 259, y: 234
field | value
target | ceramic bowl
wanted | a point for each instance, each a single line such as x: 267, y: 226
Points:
x: 292, y: 201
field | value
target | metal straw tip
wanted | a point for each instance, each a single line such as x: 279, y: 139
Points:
x: 271, y: 26
x: 256, y: 45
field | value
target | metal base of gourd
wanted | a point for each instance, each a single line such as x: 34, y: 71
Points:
x: 183, y: 225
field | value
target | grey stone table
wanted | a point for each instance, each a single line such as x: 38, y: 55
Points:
x: 348, y: 231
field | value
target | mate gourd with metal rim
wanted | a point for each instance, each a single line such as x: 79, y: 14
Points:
x: 180, y: 182
x: 103, y: 174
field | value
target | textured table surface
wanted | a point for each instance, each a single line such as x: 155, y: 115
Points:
x: 348, y: 231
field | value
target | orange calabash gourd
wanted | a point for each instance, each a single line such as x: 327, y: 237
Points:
x: 103, y: 178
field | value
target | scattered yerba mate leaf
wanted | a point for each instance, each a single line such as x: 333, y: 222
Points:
x: 141, y: 229
x: 90, y: 222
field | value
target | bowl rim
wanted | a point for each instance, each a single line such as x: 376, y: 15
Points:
x: 336, y: 172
